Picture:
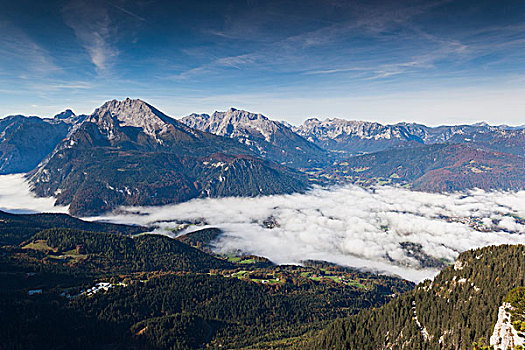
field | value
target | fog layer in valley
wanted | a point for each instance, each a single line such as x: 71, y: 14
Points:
x: 15, y: 197
x: 388, y: 229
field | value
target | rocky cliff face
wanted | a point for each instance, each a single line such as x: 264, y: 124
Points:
x: 270, y: 139
x: 355, y: 137
x: 505, y: 336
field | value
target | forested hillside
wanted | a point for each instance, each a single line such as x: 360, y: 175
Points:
x: 15, y: 228
x: 129, y: 153
x: 433, y: 168
x: 455, y: 310
x: 68, y: 288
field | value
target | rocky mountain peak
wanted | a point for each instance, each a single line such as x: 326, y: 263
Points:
x: 272, y: 139
x: 238, y: 116
x: 68, y: 113
x: 132, y: 113
x: 331, y: 128
x: 232, y: 123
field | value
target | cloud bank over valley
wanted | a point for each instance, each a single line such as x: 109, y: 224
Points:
x: 387, y: 229
x: 16, y: 197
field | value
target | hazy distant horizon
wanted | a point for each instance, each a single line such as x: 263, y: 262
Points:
x: 279, y: 116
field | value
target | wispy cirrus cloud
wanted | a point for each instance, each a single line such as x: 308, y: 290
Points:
x: 93, y: 27
x: 19, y: 48
x: 335, y: 70
x: 304, y: 51
x: 228, y: 62
x: 56, y: 86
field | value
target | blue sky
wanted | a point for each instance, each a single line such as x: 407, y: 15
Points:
x: 434, y: 62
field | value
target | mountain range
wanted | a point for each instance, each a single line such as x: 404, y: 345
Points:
x: 25, y: 141
x: 183, y: 295
x: 434, y: 168
x: 130, y: 153
x: 358, y: 137
x: 267, y: 138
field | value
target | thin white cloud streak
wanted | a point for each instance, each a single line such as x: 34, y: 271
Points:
x: 128, y: 12
x: 229, y: 62
x: 16, y: 197
x: 351, y: 226
x: 15, y: 44
x: 92, y: 26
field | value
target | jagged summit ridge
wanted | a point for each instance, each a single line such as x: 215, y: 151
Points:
x: 133, y: 113
x: 232, y: 123
x: 331, y: 128
x: 358, y: 137
x: 315, y: 129
x: 271, y: 139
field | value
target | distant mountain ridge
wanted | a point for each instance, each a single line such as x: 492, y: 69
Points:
x: 435, y: 168
x: 355, y: 137
x: 270, y: 139
x: 26, y: 141
x: 358, y: 137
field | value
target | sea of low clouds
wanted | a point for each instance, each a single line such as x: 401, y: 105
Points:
x: 348, y: 225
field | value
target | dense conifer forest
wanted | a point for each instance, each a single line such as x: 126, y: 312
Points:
x: 120, y: 289
x: 455, y: 310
